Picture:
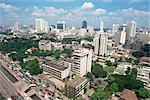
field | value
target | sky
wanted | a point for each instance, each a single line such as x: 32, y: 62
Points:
x: 75, y: 11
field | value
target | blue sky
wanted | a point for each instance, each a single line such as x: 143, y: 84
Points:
x: 74, y: 11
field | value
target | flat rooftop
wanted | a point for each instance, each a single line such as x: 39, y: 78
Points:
x: 8, y: 74
x: 74, y: 83
x: 55, y: 65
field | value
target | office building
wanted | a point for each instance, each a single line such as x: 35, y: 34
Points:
x: 101, y: 42
x: 75, y: 87
x: 61, y: 25
x: 84, y: 24
x: 82, y: 61
x: 59, y: 71
x: 120, y: 36
x: 41, y: 25
x: 132, y: 29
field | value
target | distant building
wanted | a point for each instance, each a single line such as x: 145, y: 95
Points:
x: 120, y: 36
x: 17, y: 27
x: 75, y: 87
x: 84, y: 24
x: 41, y: 25
x: 132, y: 29
x: 61, y: 25
x: 114, y: 28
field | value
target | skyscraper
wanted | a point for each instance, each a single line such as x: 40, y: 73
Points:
x: 101, y: 42
x: 132, y: 28
x: 120, y: 36
x: 114, y: 28
x: 41, y: 25
x: 84, y: 24
x: 61, y: 25
x: 101, y: 26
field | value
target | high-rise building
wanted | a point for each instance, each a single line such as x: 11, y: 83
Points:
x: 17, y: 27
x: 61, y: 25
x: 82, y: 61
x: 84, y: 24
x: 114, y: 28
x: 132, y: 28
x: 41, y: 25
x: 101, y: 26
x: 101, y: 41
x: 120, y: 36
x: 101, y: 44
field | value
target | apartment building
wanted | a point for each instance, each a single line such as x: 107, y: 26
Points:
x: 75, y: 87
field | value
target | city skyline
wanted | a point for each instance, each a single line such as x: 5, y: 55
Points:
x: 75, y: 11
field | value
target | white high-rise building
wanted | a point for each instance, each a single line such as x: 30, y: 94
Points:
x: 17, y: 27
x: 101, y: 26
x: 120, y: 37
x: 101, y: 42
x: 82, y: 61
x: 114, y: 28
x: 132, y: 28
x: 41, y: 25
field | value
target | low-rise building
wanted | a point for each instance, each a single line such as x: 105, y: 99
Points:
x: 75, y: 87
x: 57, y: 70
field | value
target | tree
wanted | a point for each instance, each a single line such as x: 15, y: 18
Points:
x: 108, y: 63
x: 114, y: 87
x: 68, y: 51
x: 57, y: 54
x: 98, y: 71
x: 89, y: 75
x: 128, y: 71
x: 33, y: 67
x: 143, y: 93
x: 100, y: 94
x: 134, y: 73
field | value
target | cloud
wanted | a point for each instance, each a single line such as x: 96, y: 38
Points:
x: 87, y: 5
x: 130, y: 12
x: 6, y: 7
x: 46, y: 11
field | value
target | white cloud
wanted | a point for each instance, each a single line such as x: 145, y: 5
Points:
x: 6, y: 7
x: 99, y: 11
x: 87, y: 5
x: 46, y: 11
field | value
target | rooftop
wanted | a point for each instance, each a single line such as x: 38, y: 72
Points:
x: 55, y: 65
x: 74, y: 83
